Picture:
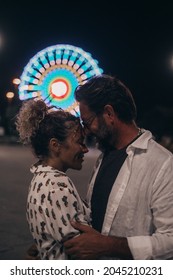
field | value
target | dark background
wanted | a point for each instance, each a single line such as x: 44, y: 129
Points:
x: 131, y: 39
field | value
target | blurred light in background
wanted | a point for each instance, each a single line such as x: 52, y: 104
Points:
x: 16, y: 81
x: 9, y: 95
x: 1, y: 40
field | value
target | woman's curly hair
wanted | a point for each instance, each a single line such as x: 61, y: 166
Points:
x: 37, y: 123
x: 30, y: 115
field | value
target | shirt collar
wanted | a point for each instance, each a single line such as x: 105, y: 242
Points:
x: 39, y: 167
x: 141, y: 142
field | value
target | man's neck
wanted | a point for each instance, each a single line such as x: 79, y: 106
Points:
x: 126, y: 134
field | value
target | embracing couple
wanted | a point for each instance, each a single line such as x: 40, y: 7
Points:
x: 128, y: 212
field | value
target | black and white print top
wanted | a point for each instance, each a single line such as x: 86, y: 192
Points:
x: 52, y: 202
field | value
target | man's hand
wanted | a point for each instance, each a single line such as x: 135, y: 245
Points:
x: 87, y: 246
x: 92, y: 245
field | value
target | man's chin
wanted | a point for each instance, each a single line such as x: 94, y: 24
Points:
x: 102, y: 145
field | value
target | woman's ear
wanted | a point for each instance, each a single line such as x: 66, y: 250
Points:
x: 54, y: 145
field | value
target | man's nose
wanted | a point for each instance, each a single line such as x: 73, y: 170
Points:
x: 86, y: 131
x: 84, y: 149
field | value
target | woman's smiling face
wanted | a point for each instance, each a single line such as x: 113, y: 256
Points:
x: 73, y: 149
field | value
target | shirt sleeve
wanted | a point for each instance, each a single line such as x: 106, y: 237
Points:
x: 160, y: 244
x: 63, y: 205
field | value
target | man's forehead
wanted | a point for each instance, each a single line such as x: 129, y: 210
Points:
x: 84, y: 110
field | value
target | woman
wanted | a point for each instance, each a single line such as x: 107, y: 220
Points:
x: 57, y: 141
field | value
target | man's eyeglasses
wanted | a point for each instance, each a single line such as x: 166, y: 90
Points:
x: 89, y: 121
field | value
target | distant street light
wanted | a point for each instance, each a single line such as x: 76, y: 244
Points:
x: 16, y: 81
x: 10, y: 95
x: 1, y: 41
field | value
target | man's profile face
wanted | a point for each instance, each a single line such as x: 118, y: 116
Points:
x: 97, y: 127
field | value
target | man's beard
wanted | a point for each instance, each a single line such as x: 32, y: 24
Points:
x: 103, y: 136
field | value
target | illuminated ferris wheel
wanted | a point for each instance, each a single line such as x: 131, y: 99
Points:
x: 53, y: 74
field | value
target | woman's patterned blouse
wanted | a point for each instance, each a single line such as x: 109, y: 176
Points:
x: 52, y: 202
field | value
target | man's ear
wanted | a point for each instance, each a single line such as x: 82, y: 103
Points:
x: 109, y: 111
x: 109, y: 114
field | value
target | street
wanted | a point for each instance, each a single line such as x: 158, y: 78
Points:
x: 15, y: 161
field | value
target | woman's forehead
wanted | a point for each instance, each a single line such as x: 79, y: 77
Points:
x: 77, y: 131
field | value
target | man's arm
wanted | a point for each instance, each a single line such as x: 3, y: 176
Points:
x: 91, y: 244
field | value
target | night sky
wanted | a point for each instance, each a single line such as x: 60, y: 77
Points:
x: 133, y: 41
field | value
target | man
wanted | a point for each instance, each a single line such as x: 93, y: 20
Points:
x: 131, y: 189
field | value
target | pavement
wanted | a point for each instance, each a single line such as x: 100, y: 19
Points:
x: 15, y: 161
